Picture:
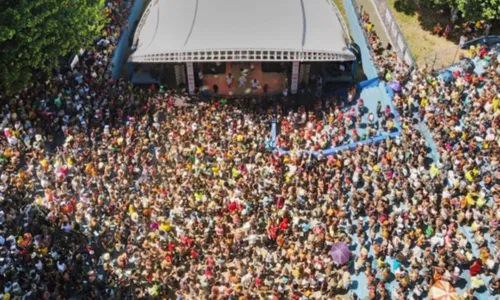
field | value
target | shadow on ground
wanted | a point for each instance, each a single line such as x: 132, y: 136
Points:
x: 429, y: 15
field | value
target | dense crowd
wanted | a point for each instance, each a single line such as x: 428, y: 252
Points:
x: 384, y: 57
x: 462, y: 114
x: 113, y: 192
x: 340, y: 121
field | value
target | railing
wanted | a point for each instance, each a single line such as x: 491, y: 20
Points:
x: 394, y: 33
x: 489, y: 40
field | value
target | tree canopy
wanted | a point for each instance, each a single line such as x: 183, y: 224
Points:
x: 479, y: 9
x: 34, y: 35
x: 473, y: 10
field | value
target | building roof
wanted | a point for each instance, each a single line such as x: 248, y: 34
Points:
x: 240, y: 30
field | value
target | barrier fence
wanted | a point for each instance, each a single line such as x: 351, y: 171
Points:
x: 394, y: 33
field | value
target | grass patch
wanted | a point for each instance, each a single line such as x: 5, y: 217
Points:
x: 417, y: 24
x: 340, y: 6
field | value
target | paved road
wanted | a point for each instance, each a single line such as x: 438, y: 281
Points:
x: 370, y: 9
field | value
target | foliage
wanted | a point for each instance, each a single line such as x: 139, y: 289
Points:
x: 35, y: 35
x: 479, y: 9
x: 472, y: 10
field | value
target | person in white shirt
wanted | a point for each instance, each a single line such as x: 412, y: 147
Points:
x: 229, y: 79
x: 463, y: 39
x: 255, y: 84
x: 285, y: 92
x: 242, y: 81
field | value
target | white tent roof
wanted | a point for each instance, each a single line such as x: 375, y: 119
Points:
x: 240, y: 30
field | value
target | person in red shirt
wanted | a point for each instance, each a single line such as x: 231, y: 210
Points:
x: 475, y: 267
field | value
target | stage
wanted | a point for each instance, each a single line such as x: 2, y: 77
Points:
x: 276, y: 82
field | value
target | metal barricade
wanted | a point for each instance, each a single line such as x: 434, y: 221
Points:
x: 394, y: 32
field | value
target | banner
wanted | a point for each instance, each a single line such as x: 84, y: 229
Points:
x: 295, y: 77
x: 74, y: 61
x: 190, y: 76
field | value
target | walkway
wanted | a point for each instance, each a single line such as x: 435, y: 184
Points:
x: 369, y: 8
x: 357, y: 32
x: 366, y: 57
x: 374, y: 19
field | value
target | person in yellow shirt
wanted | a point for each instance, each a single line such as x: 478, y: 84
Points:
x: 495, y: 103
x: 472, y: 51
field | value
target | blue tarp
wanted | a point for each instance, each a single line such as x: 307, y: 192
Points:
x: 121, y: 49
x: 369, y: 83
x: 359, y: 38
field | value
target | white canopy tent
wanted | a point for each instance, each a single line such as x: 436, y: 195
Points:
x: 240, y: 30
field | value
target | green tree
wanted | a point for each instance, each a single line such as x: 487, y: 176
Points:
x: 472, y: 10
x: 475, y: 10
x: 35, y: 35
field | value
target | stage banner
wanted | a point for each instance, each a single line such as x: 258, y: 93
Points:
x: 295, y: 77
x: 190, y: 76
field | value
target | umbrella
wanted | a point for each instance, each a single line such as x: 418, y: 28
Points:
x: 442, y: 290
x: 395, y: 85
x: 340, y: 253
x: 447, y: 76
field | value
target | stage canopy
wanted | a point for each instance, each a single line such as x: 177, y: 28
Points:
x: 240, y: 30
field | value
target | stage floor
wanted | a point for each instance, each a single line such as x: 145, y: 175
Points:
x: 276, y: 82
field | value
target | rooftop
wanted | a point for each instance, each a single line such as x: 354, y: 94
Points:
x: 240, y: 30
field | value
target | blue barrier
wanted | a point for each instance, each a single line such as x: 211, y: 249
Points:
x: 121, y: 49
x: 351, y: 146
x: 358, y: 35
x: 369, y: 83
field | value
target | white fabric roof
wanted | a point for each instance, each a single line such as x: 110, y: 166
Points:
x: 196, y: 30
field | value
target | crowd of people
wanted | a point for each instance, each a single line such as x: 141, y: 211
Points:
x: 463, y: 114
x: 384, y: 57
x: 336, y: 122
x: 108, y: 191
